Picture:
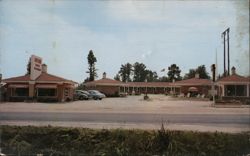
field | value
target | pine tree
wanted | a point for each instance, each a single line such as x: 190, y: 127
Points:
x: 92, y: 70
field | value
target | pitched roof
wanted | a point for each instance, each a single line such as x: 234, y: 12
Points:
x: 49, y: 77
x: 148, y: 84
x: 104, y: 81
x: 194, y: 82
x: 18, y: 79
x: 234, y: 78
x: 43, y: 77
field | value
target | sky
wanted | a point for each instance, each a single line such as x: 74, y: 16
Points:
x: 156, y: 33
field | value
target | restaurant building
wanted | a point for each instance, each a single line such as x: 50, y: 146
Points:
x: 38, y: 85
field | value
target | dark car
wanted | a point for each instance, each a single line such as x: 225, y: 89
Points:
x: 95, y: 94
x: 81, y: 95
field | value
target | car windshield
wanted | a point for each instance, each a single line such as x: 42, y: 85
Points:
x: 82, y: 91
x: 85, y: 92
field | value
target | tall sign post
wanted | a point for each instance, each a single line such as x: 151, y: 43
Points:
x: 36, y: 67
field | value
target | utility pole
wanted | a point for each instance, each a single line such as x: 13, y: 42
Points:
x: 228, y: 58
x: 225, y: 35
x: 224, y: 40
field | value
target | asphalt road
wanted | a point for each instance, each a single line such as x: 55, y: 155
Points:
x: 239, y: 119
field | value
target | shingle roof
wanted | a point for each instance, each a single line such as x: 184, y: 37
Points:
x: 18, y: 78
x: 43, y: 77
x: 108, y: 81
x: 194, y: 81
x: 49, y: 77
x: 148, y: 84
x: 104, y: 81
x: 234, y: 78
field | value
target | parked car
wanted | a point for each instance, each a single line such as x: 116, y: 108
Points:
x: 95, y: 94
x: 81, y: 95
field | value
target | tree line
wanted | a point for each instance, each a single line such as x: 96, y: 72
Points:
x: 138, y: 72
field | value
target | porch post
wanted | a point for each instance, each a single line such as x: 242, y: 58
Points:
x: 223, y: 90
x: 248, y: 94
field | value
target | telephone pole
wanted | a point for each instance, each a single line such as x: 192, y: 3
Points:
x: 228, y: 58
x: 225, y: 36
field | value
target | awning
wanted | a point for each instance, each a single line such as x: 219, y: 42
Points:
x: 192, y: 89
x: 18, y: 86
x: 46, y: 86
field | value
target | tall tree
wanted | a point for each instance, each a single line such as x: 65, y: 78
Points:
x: 125, y: 72
x: 92, y: 70
x: 201, y: 70
x: 174, y: 72
x: 190, y: 74
x: 151, y: 76
x: 163, y: 79
x: 139, y: 72
x: 117, y: 77
x: 29, y: 66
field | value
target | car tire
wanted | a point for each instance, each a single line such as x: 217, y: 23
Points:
x: 81, y: 98
x: 100, y: 98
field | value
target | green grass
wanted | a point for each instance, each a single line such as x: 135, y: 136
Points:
x: 75, y: 141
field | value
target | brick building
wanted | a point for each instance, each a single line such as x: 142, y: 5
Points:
x: 113, y: 87
x: 195, y: 85
x: 234, y: 86
x: 38, y: 85
x: 106, y: 85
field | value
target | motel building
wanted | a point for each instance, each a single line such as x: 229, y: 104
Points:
x: 38, y: 85
x: 112, y: 87
x: 234, y: 87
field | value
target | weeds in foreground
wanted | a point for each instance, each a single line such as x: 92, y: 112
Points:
x: 59, y: 141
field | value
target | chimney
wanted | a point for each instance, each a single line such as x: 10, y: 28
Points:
x: 233, y: 70
x: 104, y: 75
x: 44, y: 68
x: 197, y: 75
